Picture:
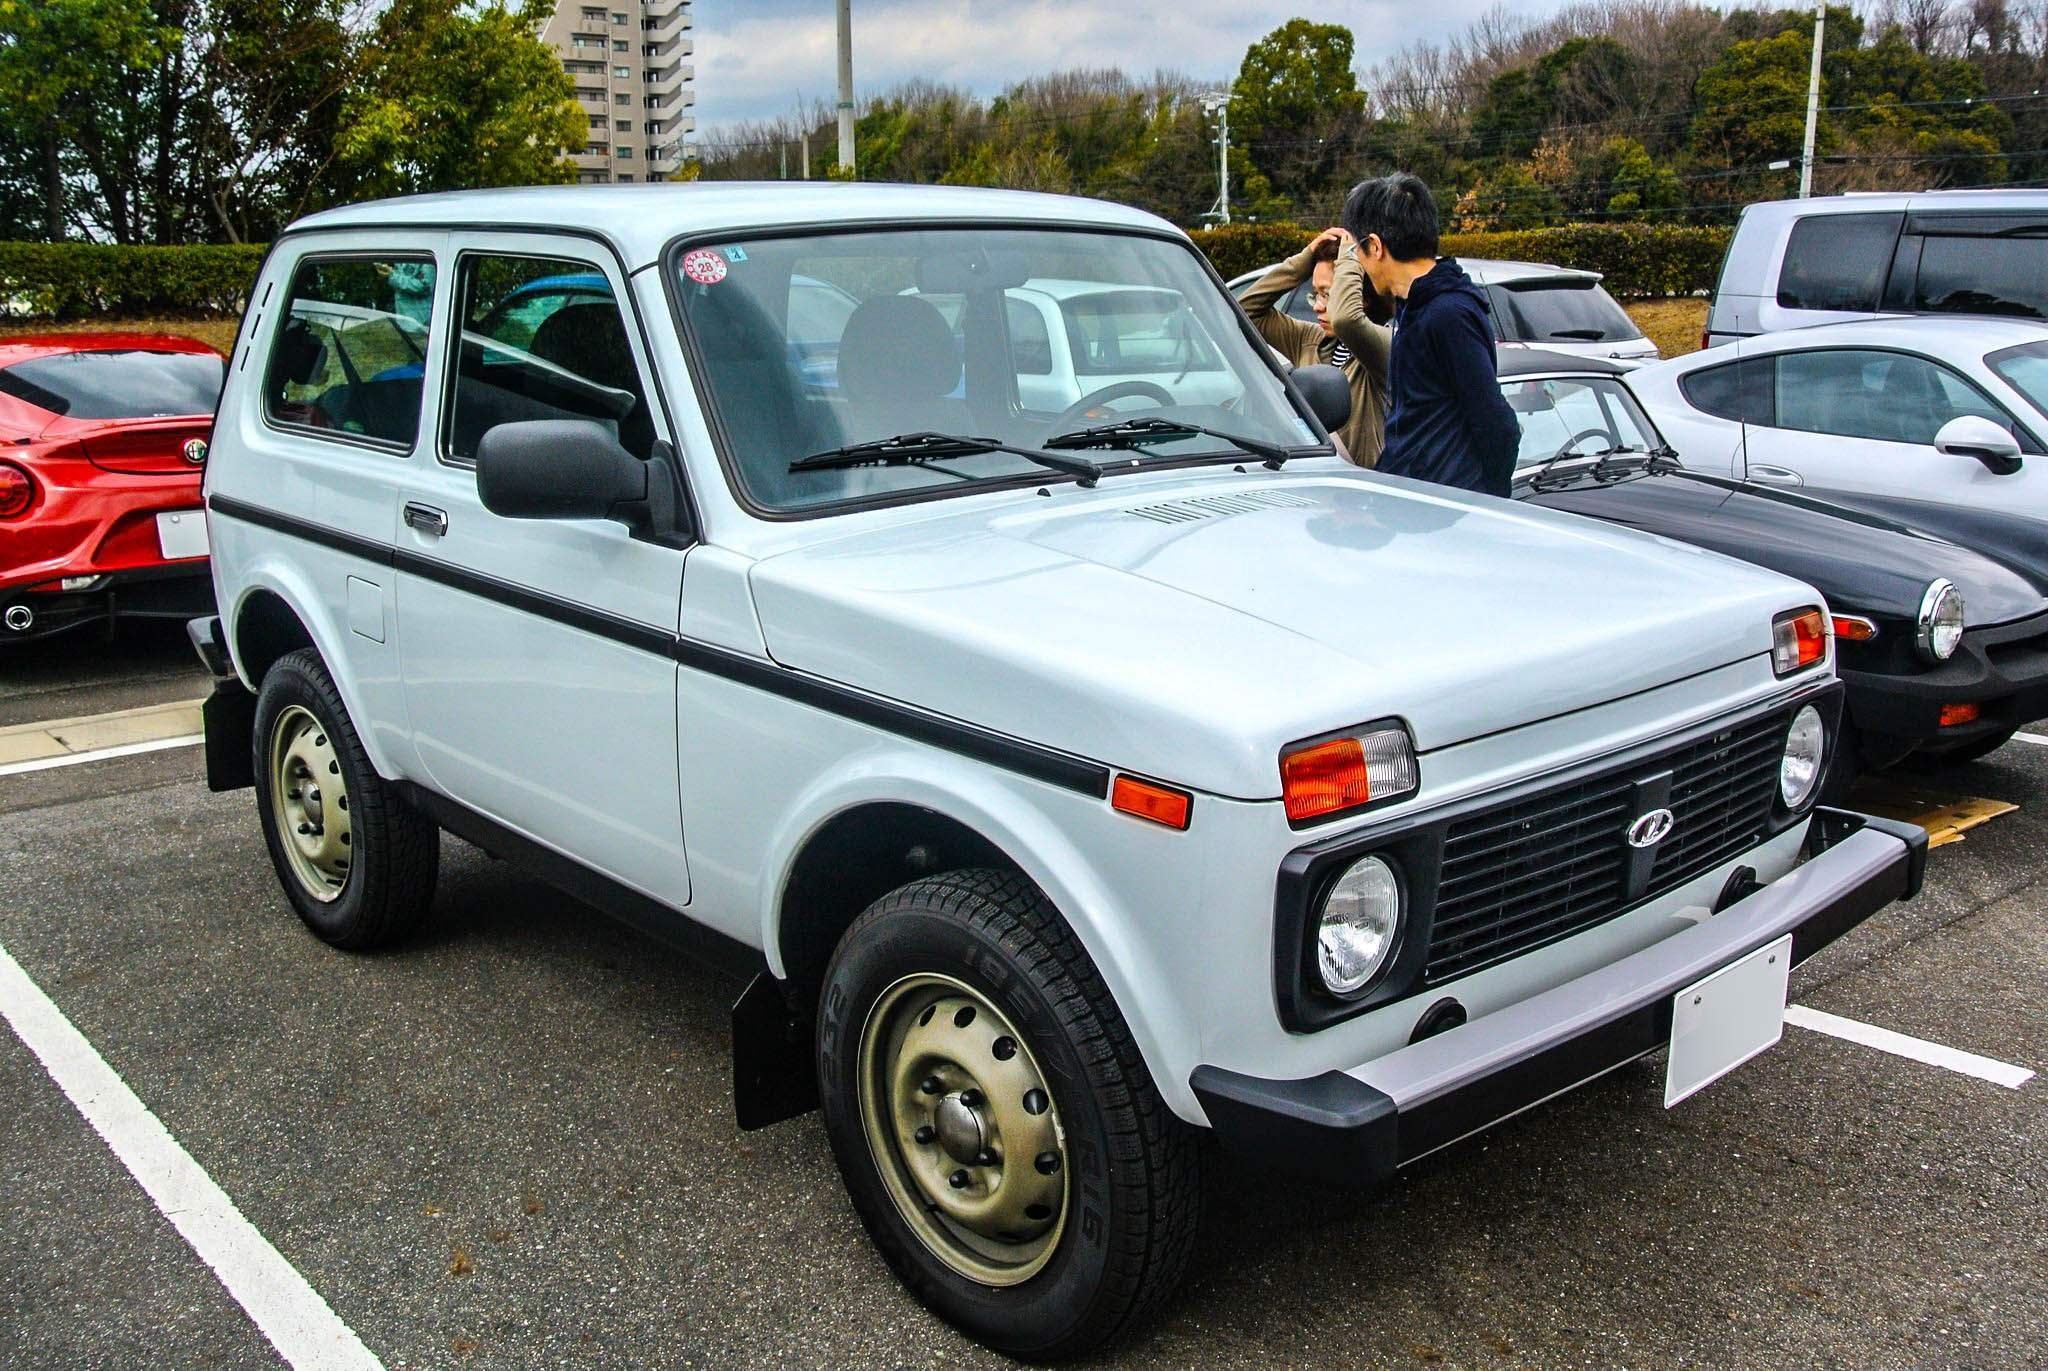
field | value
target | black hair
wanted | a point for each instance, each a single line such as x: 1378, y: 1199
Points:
x: 1400, y: 209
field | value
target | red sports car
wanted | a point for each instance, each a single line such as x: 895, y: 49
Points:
x: 102, y: 446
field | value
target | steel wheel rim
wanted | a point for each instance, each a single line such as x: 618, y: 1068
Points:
x: 309, y: 801
x: 963, y: 1129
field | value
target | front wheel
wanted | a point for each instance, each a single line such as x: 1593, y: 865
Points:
x: 998, y: 1132
x: 356, y: 860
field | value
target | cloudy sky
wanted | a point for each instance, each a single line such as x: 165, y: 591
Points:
x: 757, y: 58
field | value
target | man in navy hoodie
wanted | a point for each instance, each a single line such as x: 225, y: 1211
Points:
x: 1447, y: 421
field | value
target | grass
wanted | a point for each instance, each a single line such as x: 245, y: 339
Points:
x: 1673, y: 325
x: 219, y: 332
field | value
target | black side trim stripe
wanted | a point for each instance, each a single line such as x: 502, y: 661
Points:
x: 968, y: 740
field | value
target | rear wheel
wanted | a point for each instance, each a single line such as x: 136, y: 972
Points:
x: 356, y: 861
x: 999, y: 1134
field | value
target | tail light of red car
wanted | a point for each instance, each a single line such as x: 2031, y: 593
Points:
x: 17, y: 490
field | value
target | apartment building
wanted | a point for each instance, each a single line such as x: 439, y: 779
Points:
x: 630, y: 60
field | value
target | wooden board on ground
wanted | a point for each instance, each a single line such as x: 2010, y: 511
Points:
x: 1945, y: 817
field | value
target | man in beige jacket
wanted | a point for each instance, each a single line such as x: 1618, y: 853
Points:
x: 1344, y: 334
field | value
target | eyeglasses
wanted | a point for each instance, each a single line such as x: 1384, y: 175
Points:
x: 1319, y: 297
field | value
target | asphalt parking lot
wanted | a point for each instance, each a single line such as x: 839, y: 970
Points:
x: 509, y: 1143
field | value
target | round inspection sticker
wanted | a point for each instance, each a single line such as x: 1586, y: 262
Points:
x: 704, y: 266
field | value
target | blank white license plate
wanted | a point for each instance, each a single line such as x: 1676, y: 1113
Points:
x: 1720, y: 1022
x: 182, y: 534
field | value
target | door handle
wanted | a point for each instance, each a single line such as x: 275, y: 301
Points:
x: 1775, y: 476
x: 427, y: 519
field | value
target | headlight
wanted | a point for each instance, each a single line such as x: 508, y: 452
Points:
x: 1360, y: 916
x: 1941, y: 620
x: 1806, y: 746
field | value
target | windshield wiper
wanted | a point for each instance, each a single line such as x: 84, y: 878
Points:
x: 908, y: 449
x: 1136, y: 433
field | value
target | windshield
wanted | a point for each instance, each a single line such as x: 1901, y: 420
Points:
x: 813, y: 343
x: 1584, y: 416
x: 2025, y: 369
x: 118, y: 385
x: 1567, y: 311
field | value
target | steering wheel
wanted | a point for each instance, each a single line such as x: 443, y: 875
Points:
x: 1580, y: 437
x: 1079, y: 409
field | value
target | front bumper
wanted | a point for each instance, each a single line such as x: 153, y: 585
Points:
x: 1359, y: 1127
x: 2002, y: 670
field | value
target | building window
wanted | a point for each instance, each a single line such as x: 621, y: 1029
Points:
x: 625, y: 154
x: 622, y: 99
x: 625, y: 126
x: 626, y: 179
x: 594, y: 15
x: 622, y: 73
x: 594, y: 178
x: 621, y: 45
x: 599, y: 122
x: 585, y: 93
x: 618, y: 18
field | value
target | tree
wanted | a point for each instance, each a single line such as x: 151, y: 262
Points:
x: 453, y: 96
x: 1296, y: 106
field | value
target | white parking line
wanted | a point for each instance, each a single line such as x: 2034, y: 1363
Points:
x: 2034, y: 738
x: 1919, y: 1049
x: 100, y: 754
x: 305, y: 1332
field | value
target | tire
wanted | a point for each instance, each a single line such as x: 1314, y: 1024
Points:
x: 1118, y: 1185
x: 364, y: 874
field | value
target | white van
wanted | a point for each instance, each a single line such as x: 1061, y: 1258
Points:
x: 1793, y: 263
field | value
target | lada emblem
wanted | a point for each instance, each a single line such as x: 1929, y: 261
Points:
x: 195, y: 451
x: 1650, y: 829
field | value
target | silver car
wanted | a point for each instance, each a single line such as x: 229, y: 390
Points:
x: 1535, y: 304
x: 1943, y: 411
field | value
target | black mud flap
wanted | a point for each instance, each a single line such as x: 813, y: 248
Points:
x: 773, y: 1075
x: 229, y: 715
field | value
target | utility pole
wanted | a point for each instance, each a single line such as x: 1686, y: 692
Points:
x: 846, y: 86
x: 1220, y: 104
x: 1820, y: 19
x: 806, y: 175
x: 784, y: 150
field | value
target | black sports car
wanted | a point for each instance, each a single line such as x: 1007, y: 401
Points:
x: 1943, y: 645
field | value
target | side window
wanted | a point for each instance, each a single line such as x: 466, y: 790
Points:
x: 1030, y: 343
x: 1838, y: 261
x: 542, y: 338
x: 1741, y: 391
x: 351, y: 354
x: 1887, y: 396
x: 1984, y: 276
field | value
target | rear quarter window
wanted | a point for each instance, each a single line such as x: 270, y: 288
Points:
x: 2007, y: 276
x: 350, y: 356
x: 1838, y: 261
x: 1743, y: 391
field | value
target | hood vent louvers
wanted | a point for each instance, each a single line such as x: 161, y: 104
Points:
x: 1216, y: 506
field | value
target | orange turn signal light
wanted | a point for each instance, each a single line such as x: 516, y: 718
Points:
x: 1798, y: 640
x: 1324, y: 778
x: 1162, y: 804
x: 1854, y: 628
x: 1956, y: 715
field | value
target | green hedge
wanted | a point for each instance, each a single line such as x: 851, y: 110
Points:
x: 102, y: 280
x: 1637, y: 260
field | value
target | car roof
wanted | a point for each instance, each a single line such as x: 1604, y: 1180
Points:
x: 1944, y: 334
x: 1513, y: 362
x: 1488, y: 271
x: 639, y: 220
x: 29, y: 346
x: 1899, y: 200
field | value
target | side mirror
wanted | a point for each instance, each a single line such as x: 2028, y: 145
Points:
x: 571, y: 469
x: 1971, y: 435
x: 1328, y: 395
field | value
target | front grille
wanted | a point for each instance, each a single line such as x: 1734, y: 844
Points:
x: 1538, y: 869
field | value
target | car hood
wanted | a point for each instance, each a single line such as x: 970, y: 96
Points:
x: 1860, y: 560
x: 1190, y: 626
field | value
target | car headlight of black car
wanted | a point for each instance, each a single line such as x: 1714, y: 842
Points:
x: 1940, y: 624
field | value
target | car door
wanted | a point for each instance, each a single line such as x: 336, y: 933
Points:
x: 537, y: 676
x: 1864, y: 420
